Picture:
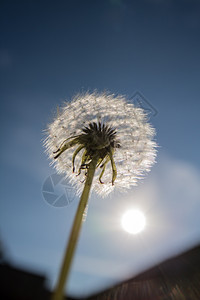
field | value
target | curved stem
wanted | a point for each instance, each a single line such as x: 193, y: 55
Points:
x: 65, y: 268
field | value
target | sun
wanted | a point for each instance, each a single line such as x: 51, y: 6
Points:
x: 133, y: 221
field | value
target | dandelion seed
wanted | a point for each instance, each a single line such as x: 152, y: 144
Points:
x: 108, y: 127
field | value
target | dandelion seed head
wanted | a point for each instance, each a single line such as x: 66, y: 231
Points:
x: 129, y: 136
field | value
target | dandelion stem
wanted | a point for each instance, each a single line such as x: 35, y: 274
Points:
x: 65, y: 268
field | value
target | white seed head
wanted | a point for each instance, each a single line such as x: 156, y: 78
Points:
x: 136, y: 150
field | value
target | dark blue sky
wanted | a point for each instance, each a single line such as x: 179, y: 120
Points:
x: 49, y: 51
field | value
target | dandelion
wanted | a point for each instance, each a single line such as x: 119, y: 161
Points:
x: 108, y: 127
x: 101, y: 143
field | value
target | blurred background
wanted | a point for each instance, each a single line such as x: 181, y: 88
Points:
x: 147, y: 50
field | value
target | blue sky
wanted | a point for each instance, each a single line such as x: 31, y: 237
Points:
x: 51, y: 50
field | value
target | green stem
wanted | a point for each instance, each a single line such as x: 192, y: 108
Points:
x: 65, y: 268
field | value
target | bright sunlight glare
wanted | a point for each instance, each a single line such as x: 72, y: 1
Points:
x: 133, y: 221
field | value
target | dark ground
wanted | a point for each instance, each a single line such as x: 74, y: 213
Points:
x: 175, y: 279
